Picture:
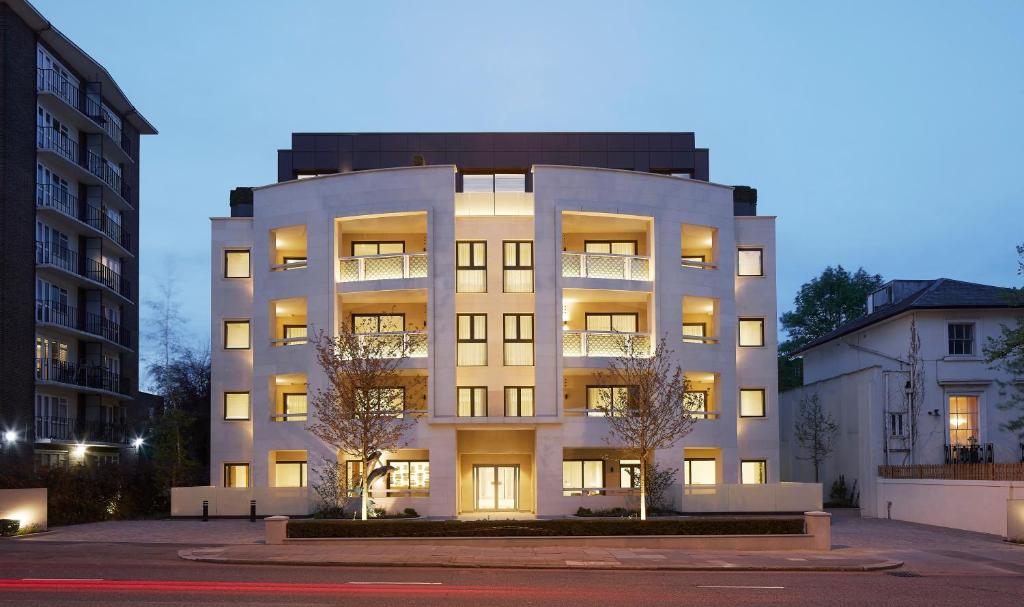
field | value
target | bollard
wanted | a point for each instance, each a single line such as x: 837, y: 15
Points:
x: 252, y: 511
x: 206, y: 510
x: 276, y: 529
x: 819, y: 525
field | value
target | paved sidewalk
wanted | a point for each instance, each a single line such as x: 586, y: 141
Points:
x: 164, y: 531
x: 353, y: 554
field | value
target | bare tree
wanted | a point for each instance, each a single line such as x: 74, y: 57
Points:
x: 358, y: 411
x: 655, y: 414
x: 165, y: 325
x: 914, y: 392
x: 815, y: 432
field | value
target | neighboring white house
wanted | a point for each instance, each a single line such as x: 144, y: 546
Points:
x: 860, y: 373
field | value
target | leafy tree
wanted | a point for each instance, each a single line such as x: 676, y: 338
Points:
x: 656, y: 413
x: 821, y: 305
x: 815, y: 432
x: 1006, y: 353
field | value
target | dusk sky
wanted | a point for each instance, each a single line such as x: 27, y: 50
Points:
x: 886, y: 135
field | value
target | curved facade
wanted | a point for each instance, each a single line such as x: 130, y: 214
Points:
x: 511, y: 301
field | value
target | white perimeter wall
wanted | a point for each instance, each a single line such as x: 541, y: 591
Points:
x: 970, y: 505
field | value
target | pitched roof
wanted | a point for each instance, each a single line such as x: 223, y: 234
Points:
x: 938, y: 294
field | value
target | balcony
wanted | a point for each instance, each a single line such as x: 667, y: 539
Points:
x: 975, y: 453
x: 288, y: 248
x: 382, y: 267
x: 605, y: 265
x: 68, y: 260
x: 49, y: 139
x: 49, y: 196
x: 69, y: 317
x: 288, y: 322
x: 698, y: 247
x: 700, y: 320
x: 84, y: 376
x: 606, y: 344
x: 53, y: 82
x: 605, y: 323
x: 80, y: 430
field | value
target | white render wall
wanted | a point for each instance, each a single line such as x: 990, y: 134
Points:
x: 667, y: 202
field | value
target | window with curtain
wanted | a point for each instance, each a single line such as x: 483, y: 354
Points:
x: 472, y: 340
x: 236, y: 476
x: 694, y: 329
x: 629, y: 474
x: 517, y: 265
x: 409, y: 475
x: 294, y: 405
x: 236, y: 335
x: 614, y: 247
x: 751, y: 332
x: 236, y: 406
x: 582, y: 477
x: 471, y: 266
x: 392, y: 247
x: 963, y: 420
x: 700, y: 471
x: 236, y: 264
x: 753, y: 472
x: 607, y: 400
x: 752, y: 402
x: 378, y: 323
x: 622, y: 322
x: 750, y: 262
x: 518, y: 340
x: 290, y: 474
x: 472, y: 401
x: 386, y: 400
x: 519, y: 401
x: 696, y: 402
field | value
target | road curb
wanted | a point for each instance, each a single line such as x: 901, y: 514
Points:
x: 859, y: 568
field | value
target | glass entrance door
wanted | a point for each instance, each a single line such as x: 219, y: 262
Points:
x: 496, y: 487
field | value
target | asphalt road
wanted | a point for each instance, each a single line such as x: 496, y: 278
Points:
x: 59, y: 573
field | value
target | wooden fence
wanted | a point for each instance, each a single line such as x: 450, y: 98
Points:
x: 955, y: 472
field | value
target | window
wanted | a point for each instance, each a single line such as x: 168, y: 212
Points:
x: 752, y: 402
x: 473, y: 401
x: 607, y: 400
x: 472, y: 340
x: 693, y: 261
x: 471, y: 267
x: 236, y: 334
x: 517, y: 263
x: 353, y: 476
x: 961, y: 338
x: 613, y: 247
x: 390, y: 247
x: 378, y: 323
x: 409, y: 475
x: 487, y: 184
x: 750, y: 262
x: 236, y: 264
x: 751, y: 332
x: 236, y: 476
x: 753, y: 472
x: 236, y: 406
x: 295, y: 406
x: 518, y: 340
x: 620, y: 323
x: 696, y: 402
x: 629, y: 474
x: 700, y: 471
x: 290, y: 474
x: 963, y: 420
x: 582, y: 477
x: 694, y: 329
x: 518, y: 401
x: 896, y: 427
x: 296, y: 332
x: 385, y: 400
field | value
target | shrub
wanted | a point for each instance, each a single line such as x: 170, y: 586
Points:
x: 610, y: 512
x: 410, y: 512
x: 8, y: 527
x: 581, y: 511
x: 554, y: 528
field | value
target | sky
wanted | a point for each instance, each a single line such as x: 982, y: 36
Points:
x: 884, y: 135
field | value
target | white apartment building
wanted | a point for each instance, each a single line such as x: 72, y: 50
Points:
x: 514, y: 288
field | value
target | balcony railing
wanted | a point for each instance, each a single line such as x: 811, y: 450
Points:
x: 99, y: 167
x: 700, y: 265
x: 411, y: 344
x: 65, y: 315
x: 52, y: 81
x: 86, y: 376
x: 81, y: 430
x: 61, y: 257
x: 383, y: 267
x: 977, y: 453
x: 59, y: 142
x: 51, y: 196
x: 605, y: 265
x: 606, y: 343
x: 53, y: 140
x: 67, y: 260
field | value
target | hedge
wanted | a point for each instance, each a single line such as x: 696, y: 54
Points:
x: 8, y: 527
x: 535, y: 528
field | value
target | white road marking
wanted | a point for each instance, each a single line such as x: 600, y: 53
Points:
x: 397, y: 583
x: 748, y: 587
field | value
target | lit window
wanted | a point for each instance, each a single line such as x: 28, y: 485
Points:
x: 295, y: 407
x: 471, y: 267
x: 629, y: 474
x: 389, y: 247
x: 607, y: 400
x: 290, y: 474
x: 389, y: 401
x: 752, y: 402
x: 753, y: 472
x: 472, y: 401
x: 409, y: 475
x: 519, y: 401
x: 236, y: 264
x: 751, y: 332
x: 700, y: 471
x: 750, y: 262
x: 378, y: 323
x: 236, y: 405
x: 696, y: 402
x: 236, y: 476
x: 619, y: 323
x: 518, y: 266
x: 236, y: 335
x: 472, y: 340
x: 963, y: 420
x: 518, y: 340
x: 694, y: 330
x: 961, y: 338
x: 582, y: 477
x: 613, y: 247
x: 295, y: 332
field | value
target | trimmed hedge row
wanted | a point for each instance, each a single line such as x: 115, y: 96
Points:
x: 535, y: 528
